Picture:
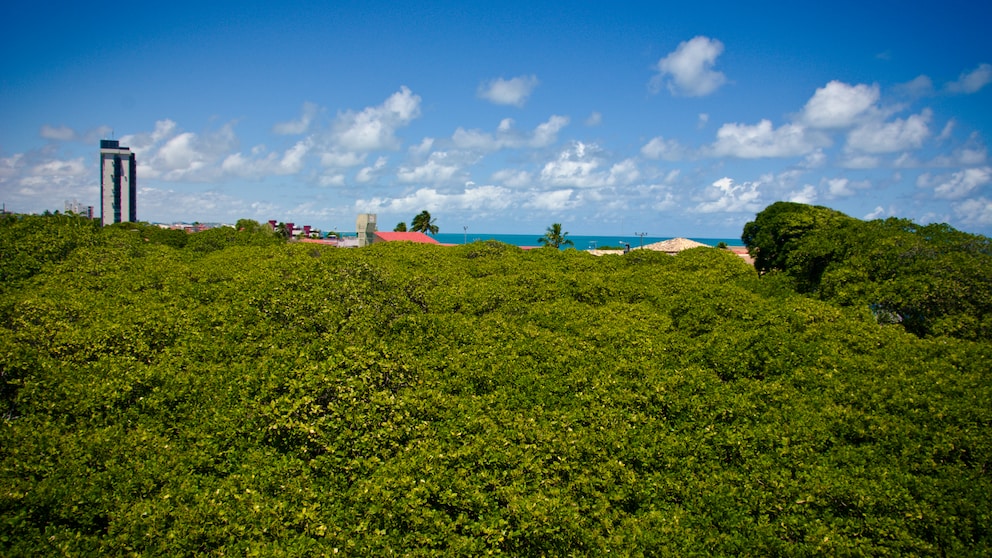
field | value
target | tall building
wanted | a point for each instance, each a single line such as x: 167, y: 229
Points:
x: 365, y: 226
x: 118, y: 183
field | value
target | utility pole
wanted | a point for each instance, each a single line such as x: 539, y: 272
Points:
x: 642, y: 235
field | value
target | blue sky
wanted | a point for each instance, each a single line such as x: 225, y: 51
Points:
x: 504, y: 117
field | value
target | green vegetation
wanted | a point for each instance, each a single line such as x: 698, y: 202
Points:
x: 242, y: 395
x: 932, y: 279
x: 423, y: 223
x: 555, y: 238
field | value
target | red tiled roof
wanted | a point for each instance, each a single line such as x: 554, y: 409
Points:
x: 417, y: 237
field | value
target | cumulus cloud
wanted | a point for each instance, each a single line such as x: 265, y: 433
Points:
x: 257, y: 166
x: 843, y: 187
x: 438, y: 168
x: 973, y: 81
x: 761, y: 140
x: 577, y: 166
x: 301, y: 124
x: 375, y: 127
x: 479, y: 199
x: 513, y: 91
x: 507, y: 137
x: 889, y: 137
x: 660, y: 148
x: 688, y: 71
x: 370, y: 173
x: 726, y: 196
x: 558, y: 200
x: 143, y: 141
x: 806, y: 195
x: 976, y: 212
x: 957, y: 185
x: 168, y: 154
x: 839, y: 105
x: 514, y: 178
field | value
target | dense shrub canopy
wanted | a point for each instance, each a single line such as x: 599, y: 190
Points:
x: 932, y: 279
x: 292, y: 399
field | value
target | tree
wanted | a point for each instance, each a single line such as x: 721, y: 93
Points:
x: 554, y: 237
x: 400, y: 227
x: 423, y: 223
x: 776, y: 230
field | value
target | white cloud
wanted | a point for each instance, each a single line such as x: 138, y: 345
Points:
x: 761, y: 140
x: 920, y: 86
x: 375, y: 127
x: 514, y: 178
x: 368, y: 174
x: 478, y: 199
x: 807, y: 195
x: 342, y: 159
x: 546, y: 133
x: 594, y: 119
x: 62, y: 133
x: 724, y: 196
x: 513, y: 91
x: 877, y: 213
x: 976, y: 212
x: 843, y: 187
x: 889, y: 137
x: 688, y: 71
x: 506, y: 137
x: 300, y: 125
x: 142, y: 142
x: 859, y: 161
x: 973, y: 81
x: 558, y: 200
x: 839, y: 105
x: 258, y: 167
x: 660, y: 148
x: 575, y: 166
x: 11, y: 167
x: 957, y: 185
x: 438, y: 168
x: 164, y: 154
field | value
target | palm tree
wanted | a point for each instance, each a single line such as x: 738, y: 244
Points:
x: 400, y: 227
x: 423, y: 223
x: 554, y: 237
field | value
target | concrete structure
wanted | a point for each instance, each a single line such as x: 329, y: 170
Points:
x: 365, y: 226
x: 118, y: 183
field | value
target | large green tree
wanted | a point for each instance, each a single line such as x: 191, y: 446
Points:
x: 424, y: 223
x: 554, y: 237
x: 776, y: 231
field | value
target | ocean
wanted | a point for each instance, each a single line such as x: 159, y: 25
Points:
x: 580, y: 242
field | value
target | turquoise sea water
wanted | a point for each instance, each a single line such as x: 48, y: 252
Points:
x: 581, y: 242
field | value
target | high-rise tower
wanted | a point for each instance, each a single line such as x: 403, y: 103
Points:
x: 118, y: 183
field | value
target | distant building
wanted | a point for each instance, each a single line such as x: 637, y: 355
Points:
x: 79, y: 209
x: 118, y: 183
x: 415, y: 237
x: 365, y: 225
